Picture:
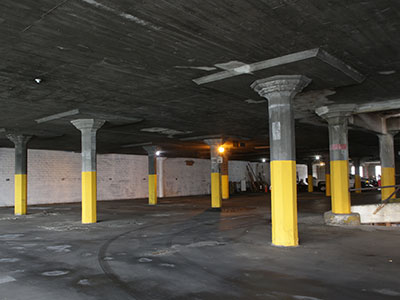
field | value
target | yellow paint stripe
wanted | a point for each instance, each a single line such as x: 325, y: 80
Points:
x: 328, y: 185
x: 225, y: 186
x: 89, y: 197
x: 215, y: 190
x: 152, y: 189
x: 387, y: 178
x: 340, y: 187
x: 357, y: 183
x: 284, y: 203
x: 310, y: 184
x: 21, y: 194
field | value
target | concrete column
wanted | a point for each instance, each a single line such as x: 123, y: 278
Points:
x: 88, y: 128
x: 327, y: 177
x: 151, y: 154
x: 279, y: 91
x: 386, y: 152
x: 216, y: 202
x: 21, y: 167
x: 310, y: 176
x: 357, y: 177
x: 337, y: 118
x: 225, y: 176
x: 160, y: 176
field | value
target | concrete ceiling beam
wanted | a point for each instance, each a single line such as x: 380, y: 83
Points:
x: 377, y: 106
x: 393, y: 124
x: 370, y: 122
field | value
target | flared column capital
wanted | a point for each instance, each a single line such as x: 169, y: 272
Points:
x: 88, y: 124
x: 281, y: 85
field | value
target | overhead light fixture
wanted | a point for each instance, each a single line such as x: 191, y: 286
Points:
x: 38, y: 80
x: 264, y: 160
x: 317, y: 157
x: 158, y: 153
x: 221, y: 149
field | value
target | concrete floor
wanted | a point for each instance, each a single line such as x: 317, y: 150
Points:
x: 178, y: 250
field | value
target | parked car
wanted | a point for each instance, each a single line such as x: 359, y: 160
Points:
x: 321, y: 186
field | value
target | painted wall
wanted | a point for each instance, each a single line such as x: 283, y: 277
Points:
x: 55, y: 176
x: 301, y: 172
x: 181, y: 179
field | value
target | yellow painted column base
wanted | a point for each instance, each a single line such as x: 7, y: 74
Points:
x: 340, y: 187
x: 225, y: 186
x: 328, y: 185
x: 387, y: 178
x: 357, y: 183
x: 89, y: 197
x: 152, y: 189
x: 310, y: 184
x: 284, y: 203
x: 216, y: 190
x: 21, y: 194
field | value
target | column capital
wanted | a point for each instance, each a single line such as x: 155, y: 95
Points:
x: 281, y: 84
x: 18, y: 139
x: 329, y: 113
x: 386, y: 135
x: 214, y: 142
x: 389, y: 134
x: 88, y: 124
x: 151, y: 150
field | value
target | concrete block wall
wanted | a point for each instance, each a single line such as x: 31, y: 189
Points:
x: 121, y: 176
x: 55, y: 176
x: 181, y: 179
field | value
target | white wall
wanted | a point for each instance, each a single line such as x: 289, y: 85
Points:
x: 121, y: 176
x: 55, y: 176
x: 301, y: 172
x: 183, y: 180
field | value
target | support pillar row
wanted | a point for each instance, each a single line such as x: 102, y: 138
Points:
x: 21, y: 167
x: 386, y: 151
x: 88, y: 128
x: 279, y: 91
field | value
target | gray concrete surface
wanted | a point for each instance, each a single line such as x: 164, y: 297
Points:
x: 386, y: 150
x: 132, y: 63
x: 88, y: 128
x: 21, y: 153
x: 280, y: 91
x: 178, y: 250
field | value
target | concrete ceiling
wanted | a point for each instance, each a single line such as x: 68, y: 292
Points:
x: 133, y: 62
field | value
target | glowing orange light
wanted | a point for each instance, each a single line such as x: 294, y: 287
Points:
x: 221, y: 149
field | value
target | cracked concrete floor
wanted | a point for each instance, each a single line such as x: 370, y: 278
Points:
x: 179, y: 250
